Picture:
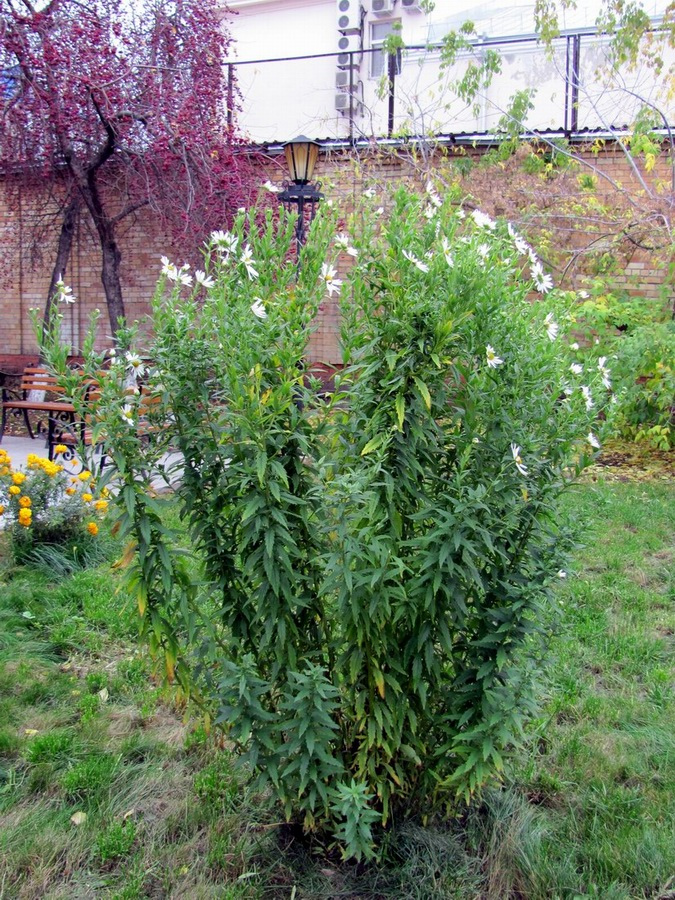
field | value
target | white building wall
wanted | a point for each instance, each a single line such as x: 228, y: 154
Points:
x: 281, y: 99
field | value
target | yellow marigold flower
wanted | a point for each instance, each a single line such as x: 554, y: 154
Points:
x: 60, y: 448
x: 105, y: 492
x: 25, y: 517
x: 87, y: 498
x: 14, y: 490
x: 33, y: 460
x: 92, y: 528
x: 84, y: 475
x: 2, y: 509
x: 101, y: 505
x: 25, y: 502
x: 70, y: 491
x: 5, y: 470
x: 18, y: 478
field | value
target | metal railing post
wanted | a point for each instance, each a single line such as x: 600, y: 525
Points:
x: 391, y: 70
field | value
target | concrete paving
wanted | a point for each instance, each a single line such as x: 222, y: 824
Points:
x: 19, y: 448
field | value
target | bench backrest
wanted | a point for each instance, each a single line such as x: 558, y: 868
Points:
x: 36, y: 379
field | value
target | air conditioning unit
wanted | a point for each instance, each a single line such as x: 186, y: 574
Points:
x: 383, y: 7
x: 351, y: 51
x: 342, y: 105
x: 411, y: 5
x: 349, y: 16
x: 343, y: 81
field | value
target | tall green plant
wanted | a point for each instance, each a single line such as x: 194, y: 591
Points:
x: 368, y: 593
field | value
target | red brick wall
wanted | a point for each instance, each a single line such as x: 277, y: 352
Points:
x: 500, y: 190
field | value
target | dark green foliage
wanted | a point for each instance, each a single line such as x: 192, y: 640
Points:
x: 366, y: 598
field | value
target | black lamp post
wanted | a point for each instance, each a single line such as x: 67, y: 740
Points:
x: 301, y: 155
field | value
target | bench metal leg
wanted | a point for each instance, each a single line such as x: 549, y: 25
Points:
x: 26, y: 419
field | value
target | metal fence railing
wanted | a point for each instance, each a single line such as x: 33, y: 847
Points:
x: 335, y: 95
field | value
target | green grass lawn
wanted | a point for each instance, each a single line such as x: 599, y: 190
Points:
x: 588, y: 808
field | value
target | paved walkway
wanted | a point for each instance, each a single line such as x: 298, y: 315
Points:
x: 19, y: 448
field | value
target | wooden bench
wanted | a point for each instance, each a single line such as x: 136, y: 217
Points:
x: 75, y: 433
x: 38, y: 392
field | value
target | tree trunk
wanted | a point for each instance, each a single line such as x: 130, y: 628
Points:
x: 110, y: 252
x: 110, y: 276
x: 68, y: 225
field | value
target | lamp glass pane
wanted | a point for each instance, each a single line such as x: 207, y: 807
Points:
x: 301, y: 158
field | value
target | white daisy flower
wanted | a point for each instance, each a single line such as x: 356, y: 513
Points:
x: 423, y: 267
x: 592, y: 440
x: 446, y: 253
x: 522, y: 246
x: 168, y: 267
x: 369, y: 193
x: 135, y: 364
x: 62, y: 292
x: 258, y: 309
x: 429, y: 211
x: 225, y: 241
x: 586, y: 391
x: 434, y: 198
x: 515, y: 452
x: 483, y: 250
x: 482, y: 220
x: 493, y: 360
x: 576, y: 368
x: 127, y: 414
x: 534, y: 259
x: 542, y: 280
x: 584, y: 295
x: 204, y: 279
x: 181, y: 275
x: 460, y: 214
x: 272, y: 188
x: 574, y: 346
x: 333, y: 284
x: 562, y: 574
x: 342, y: 242
x: 246, y: 259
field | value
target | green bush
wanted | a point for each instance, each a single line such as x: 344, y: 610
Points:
x: 638, y: 337
x: 369, y: 595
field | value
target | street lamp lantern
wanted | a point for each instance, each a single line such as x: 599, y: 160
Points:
x: 301, y: 156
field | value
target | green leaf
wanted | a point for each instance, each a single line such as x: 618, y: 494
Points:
x: 424, y: 392
x: 373, y: 444
x: 400, y: 411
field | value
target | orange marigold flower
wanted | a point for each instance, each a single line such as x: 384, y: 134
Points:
x: 25, y: 502
x: 25, y: 517
x: 70, y: 491
x: 14, y: 490
x: 92, y: 528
